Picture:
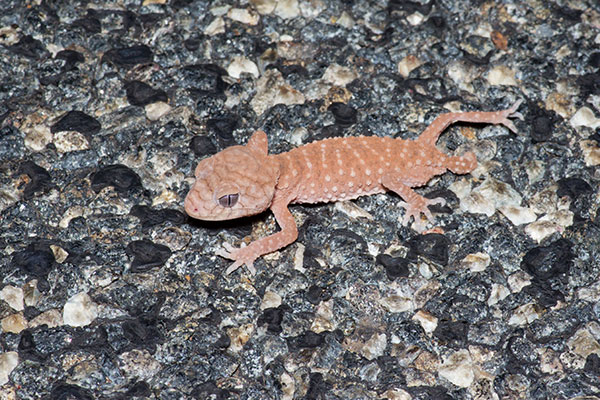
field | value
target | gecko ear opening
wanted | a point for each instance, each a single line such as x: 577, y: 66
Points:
x: 258, y: 143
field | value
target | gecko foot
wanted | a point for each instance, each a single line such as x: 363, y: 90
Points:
x: 241, y: 255
x: 511, y: 113
x: 416, y: 208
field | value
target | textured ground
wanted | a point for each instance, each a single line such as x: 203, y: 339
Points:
x: 107, y: 289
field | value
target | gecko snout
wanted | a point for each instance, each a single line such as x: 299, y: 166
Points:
x: 190, y: 204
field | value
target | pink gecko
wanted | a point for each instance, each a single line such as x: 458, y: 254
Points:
x: 246, y: 180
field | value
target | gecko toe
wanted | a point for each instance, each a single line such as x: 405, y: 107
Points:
x: 415, y: 211
x: 512, y: 113
x: 239, y: 255
x: 228, y: 247
x: 509, y: 124
x: 515, y: 106
x: 236, y: 265
x: 224, y: 253
x: 437, y: 201
x: 517, y: 115
x: 251, y: 269
x: 405, y: 221
x: 233, y: 267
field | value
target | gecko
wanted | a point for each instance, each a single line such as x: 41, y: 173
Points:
x: 246, y: 180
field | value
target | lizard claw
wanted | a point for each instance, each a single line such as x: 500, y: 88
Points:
x: 418, y: 207
x: 511, y: 113
x: 240, y: 255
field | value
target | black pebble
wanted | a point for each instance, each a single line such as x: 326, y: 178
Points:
x: 40, y: 181
x: 192, y: 44
x: 329, y: 131
x: 317, y: 294
x: 141, y: 94
x: 287, y: 70
x: 223, y: 342
x: 91, y: 25
x: 223, y: 128
x: 35, y: 261
x: 547, y: 262
x: 346, y: 236
x: 150, y: 217
x: 71, y: 58
x: 592, y: 364
x: 317, y: 387
x: 29, y: 47
x: 140, y: 333
x: 129, y: 56
x: 90, y: 22
x: 310, y: 340
x: 432, y: 246
x: 96, y: 339
x: 77, y: 121
x: 544, y: 294
x: 147, y: 255
x: 589, y: 84
x: 541, y: 128
x: 431, y: 392
x: 395, y: 267
x: 27, y: 348
x: 30, y: 312
x: 273, y: 318
x: 595, y: 136
x: 344, y: 115
x: 594, y: 59
x: 122, y: 178
x: 202, y: 146
x: 207, y: 78
x: 139, y: 389
x: 569, y: 14
x: 311, y: 253
x: 410, y: 6
x: 63, y: 391
x: 542, y: 125
x: 573, y: 187
x: 452, y: 331
x: 438, y: 23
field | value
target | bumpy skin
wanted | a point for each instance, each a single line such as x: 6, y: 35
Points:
x: 246, y: 180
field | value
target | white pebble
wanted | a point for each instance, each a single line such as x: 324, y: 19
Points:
x: 13, y: 296
x: 458, y: 369
x: 8, y: 362
x: 80, y: 310
x: 240, y: 65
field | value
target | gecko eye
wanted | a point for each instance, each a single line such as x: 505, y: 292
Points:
x: 229, y: 200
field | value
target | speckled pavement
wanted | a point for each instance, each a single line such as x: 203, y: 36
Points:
x: 109, y: 291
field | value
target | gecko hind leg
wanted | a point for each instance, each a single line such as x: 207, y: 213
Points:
x: 431, y: 134
x: 414, y: 204
x: 418, y: 207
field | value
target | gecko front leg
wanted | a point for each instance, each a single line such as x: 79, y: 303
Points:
x: 246, y: 255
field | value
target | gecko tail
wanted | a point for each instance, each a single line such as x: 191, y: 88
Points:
x: 462, y: 164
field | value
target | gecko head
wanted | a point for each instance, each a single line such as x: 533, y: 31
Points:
x: 237, y: 182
